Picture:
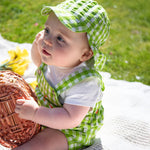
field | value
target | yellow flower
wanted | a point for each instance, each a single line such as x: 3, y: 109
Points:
x: 33, y: 84
x: 19, y: 66
x: 18, y: 61
x: 18, y: 54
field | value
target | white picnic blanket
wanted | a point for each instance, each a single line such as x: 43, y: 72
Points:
x: 127, y: 109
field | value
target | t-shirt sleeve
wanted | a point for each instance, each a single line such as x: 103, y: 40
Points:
x: 85, y: 93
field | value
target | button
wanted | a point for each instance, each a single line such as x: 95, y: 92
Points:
x: 39, y: 72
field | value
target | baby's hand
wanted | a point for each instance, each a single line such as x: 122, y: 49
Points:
x: 36, y: 49
x: 39, y: 38
x: 26, y: 109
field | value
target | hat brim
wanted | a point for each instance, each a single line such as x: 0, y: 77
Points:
x: 66, y: 17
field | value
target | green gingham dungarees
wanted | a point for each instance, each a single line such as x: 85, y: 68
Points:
x: 84, y: 134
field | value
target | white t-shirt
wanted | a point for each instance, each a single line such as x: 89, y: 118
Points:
x: 85, y: 93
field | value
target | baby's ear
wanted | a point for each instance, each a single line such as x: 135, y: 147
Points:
x: 88, y: 53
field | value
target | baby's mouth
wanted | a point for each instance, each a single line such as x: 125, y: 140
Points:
x: 45, y: 52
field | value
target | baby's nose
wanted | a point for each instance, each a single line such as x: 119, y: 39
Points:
x: 48, y: 42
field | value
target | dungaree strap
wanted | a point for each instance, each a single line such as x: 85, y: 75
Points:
x: 77, y: 77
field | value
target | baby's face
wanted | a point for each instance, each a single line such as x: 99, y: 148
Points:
x: 61, y: 47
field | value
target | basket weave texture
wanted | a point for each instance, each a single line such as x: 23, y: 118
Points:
x: 14, y: 131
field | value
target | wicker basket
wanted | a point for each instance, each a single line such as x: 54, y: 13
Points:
x: 14, y: 131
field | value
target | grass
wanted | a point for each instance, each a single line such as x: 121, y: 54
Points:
x: 127, y: 48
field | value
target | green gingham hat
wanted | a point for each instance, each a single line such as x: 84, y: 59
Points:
x: 84, y: 16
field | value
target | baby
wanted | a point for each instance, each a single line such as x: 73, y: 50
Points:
x: 69, y: 89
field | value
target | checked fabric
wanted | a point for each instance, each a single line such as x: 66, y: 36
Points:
x: 84, y: 134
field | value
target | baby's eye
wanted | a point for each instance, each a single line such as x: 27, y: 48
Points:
x: 46, y: 30
x: 59, y: 38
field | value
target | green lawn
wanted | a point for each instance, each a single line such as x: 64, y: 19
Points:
x: 128, y: 46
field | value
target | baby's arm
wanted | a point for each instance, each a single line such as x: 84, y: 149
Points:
x: 68, y: 116
x: 65, y: 117
x: 36, y: 47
